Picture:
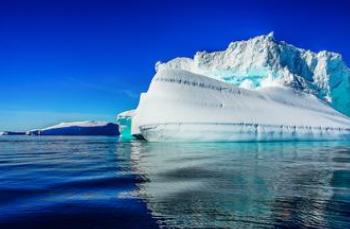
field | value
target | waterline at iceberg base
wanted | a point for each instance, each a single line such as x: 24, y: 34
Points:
x: 256, y: 90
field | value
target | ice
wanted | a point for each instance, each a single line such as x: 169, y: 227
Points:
x: 12, y: 133
x: 124, y: 121
x: 78, y: 124
x: 255, y: 90
x: 183, y: 106
x: 263, y: 61
x: 79, y: 128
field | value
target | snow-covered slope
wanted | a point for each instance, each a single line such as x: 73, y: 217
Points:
x: 255, y: 90
x: 79, y: 128
x: 182, y: 106
x: 78, y: 124
x: 263, y: 61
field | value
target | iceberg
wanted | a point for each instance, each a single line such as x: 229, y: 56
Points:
x: 79, y: 128
x: 256, y: 90
x: 12, y: 133
x: 124, y: 122
x: 263, y: 61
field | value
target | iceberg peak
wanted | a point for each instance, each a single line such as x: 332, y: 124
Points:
x: 271, y: 35
x: 253, y: 62
x: 265, y: 37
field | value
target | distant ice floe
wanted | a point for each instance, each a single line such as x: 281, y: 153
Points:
x: 79, y: 128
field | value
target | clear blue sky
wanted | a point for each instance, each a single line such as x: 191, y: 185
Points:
x: 88, y: 60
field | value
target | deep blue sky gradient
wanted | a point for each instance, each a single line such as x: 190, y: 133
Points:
x: 88, y: 60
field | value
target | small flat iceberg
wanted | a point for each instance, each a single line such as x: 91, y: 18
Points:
x: 97, y: 128
x: 12, y: 133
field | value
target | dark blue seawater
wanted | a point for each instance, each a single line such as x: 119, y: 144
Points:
x: 98, y: 182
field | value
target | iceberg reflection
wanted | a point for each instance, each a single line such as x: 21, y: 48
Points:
x: 241, y: 184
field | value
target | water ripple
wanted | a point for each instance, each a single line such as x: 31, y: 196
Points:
x: 98, y: 182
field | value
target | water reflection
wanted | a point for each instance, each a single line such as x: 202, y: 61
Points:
x: 245, y: 184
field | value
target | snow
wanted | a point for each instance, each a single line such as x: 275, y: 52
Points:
x: 255, y: 90
x: 79, y: 128
x: 184, y: 106
x: 78, y: 124
x: 263, y: 62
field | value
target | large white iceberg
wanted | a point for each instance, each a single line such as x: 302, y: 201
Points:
x: 263, y: 61
x: 256, y: 90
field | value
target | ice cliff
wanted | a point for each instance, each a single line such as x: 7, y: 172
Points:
x: 124, y: 120
x: 263, y: 61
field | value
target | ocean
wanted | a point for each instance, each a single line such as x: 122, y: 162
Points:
x: 100, y: 182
